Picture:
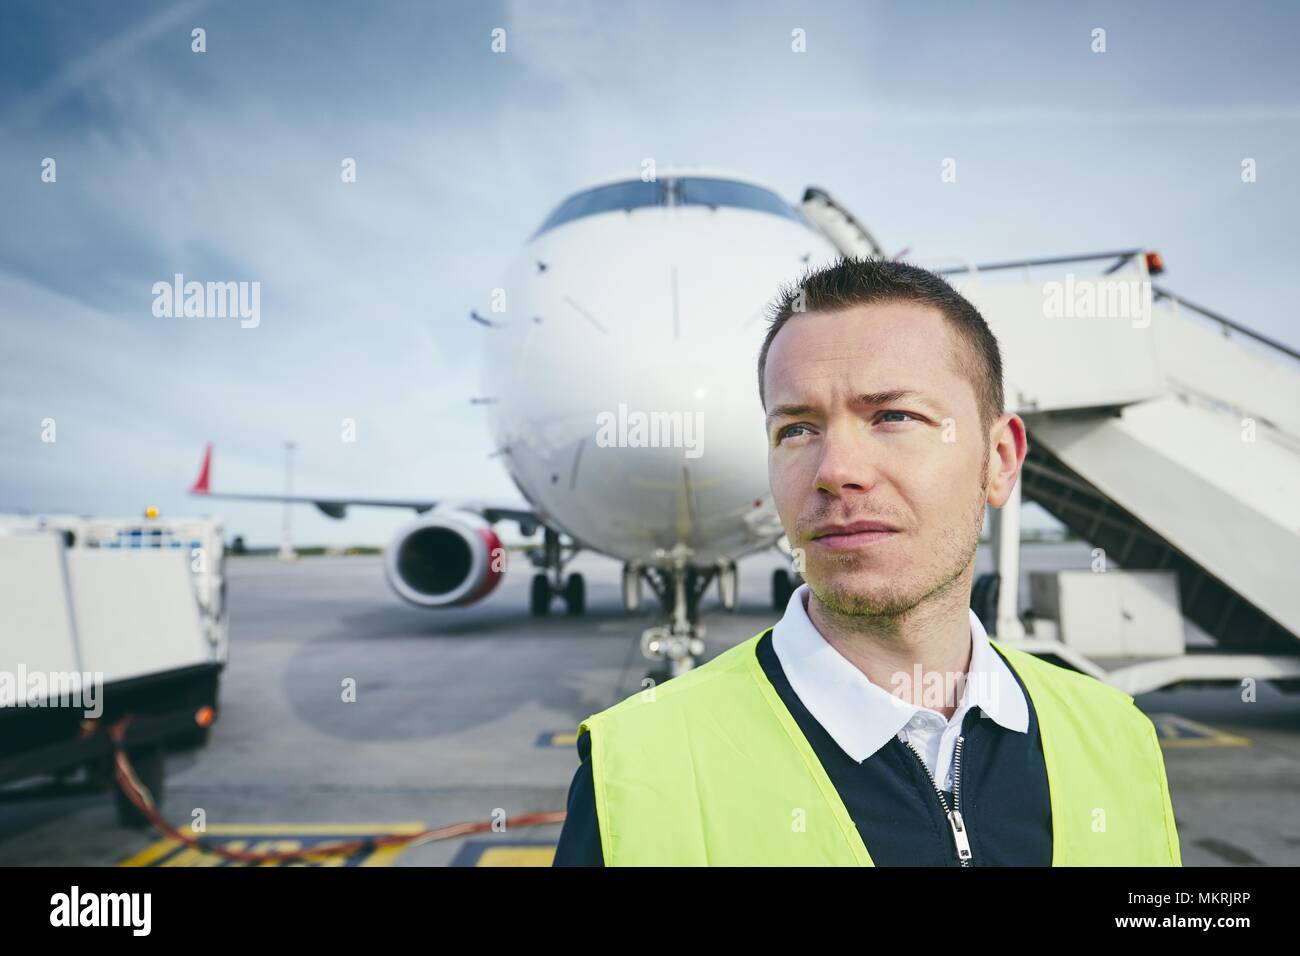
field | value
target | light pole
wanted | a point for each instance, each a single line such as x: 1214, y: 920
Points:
x: 286, y: 547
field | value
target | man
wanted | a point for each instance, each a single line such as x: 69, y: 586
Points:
x: 876, y: 723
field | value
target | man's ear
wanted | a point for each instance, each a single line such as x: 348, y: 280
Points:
x: 1007, y: 448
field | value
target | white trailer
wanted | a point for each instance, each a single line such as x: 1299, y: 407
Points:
x: 103, y: 620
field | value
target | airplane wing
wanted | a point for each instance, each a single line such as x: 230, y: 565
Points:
x: 527, y: 519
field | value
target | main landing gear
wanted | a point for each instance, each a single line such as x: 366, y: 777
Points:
x: 550, y: 582
x: 784, y: 584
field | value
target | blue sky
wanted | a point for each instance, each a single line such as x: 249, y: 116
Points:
x: 226, y: 165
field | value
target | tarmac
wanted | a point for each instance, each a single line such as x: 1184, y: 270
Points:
x: 462, y: 714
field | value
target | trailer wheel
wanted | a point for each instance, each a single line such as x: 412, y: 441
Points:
x: 150, y: 767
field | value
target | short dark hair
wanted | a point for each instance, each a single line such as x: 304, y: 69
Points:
x: 851, y: 282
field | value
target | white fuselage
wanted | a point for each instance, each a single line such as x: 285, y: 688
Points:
x: 624, y: 381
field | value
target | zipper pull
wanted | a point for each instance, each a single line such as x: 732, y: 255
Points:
x: 959, y: 835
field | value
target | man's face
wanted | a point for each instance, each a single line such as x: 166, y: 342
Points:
x: 870, y: 421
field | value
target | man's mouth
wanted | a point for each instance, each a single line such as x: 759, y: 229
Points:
x: 855, y: 534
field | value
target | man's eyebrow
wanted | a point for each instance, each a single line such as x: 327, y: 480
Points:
x: 869, y: 399
x: 789, y: 411
x: 889, y: 395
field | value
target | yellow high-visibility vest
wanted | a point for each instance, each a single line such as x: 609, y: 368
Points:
x: 711, y: 768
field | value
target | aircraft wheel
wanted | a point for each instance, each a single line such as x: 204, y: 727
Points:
x: 539, y: 601
x: 782, y: 587
x: 575, y: 594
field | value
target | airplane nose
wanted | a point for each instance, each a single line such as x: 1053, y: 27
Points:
x: 679, y: 382
x: 691, y: 416
x: 632, y: 399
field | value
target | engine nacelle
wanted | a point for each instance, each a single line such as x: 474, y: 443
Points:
x: 445, y: 559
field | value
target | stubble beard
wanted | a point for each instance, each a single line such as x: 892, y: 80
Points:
x: 956, y: 551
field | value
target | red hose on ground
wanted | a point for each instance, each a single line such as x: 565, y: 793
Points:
x: 140, y: 796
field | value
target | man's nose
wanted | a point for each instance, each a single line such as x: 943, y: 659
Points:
x: 849, y: 461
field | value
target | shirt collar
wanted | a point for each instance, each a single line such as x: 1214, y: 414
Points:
x: 862, y: 717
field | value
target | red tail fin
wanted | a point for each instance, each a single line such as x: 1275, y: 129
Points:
x: 200, y: 486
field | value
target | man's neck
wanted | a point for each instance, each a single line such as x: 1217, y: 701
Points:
x: 935, y: 634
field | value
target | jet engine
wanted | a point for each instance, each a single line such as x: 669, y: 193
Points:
x: 445, y: 559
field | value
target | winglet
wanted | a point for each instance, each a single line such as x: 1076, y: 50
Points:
x: 200, y: 486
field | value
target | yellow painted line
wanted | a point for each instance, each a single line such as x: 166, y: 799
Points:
x: 1226, y: 741
x: 190, y: 857
x: 562, y: 739
x: 384, y: 856
x: 150, y: 853
x: 308, y: 829
x: 1176, y: 731
x: 517, y: 856
x: 171, y: 852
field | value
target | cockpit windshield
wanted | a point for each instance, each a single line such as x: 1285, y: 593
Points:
x: 669, y: 191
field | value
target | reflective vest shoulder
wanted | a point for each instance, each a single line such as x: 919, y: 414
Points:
x: 711, y: 768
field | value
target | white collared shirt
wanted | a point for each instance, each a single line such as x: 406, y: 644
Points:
x: 861, y: 717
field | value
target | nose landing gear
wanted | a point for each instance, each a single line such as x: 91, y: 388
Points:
x: 679, y: 586
x: 675, y: 653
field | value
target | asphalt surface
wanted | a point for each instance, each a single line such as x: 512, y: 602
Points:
x: 466, y: 713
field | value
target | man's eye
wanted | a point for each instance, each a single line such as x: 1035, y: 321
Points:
x: 785, y: 432
x: 904, y: 414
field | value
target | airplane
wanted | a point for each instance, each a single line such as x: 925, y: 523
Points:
x: 620, y: 382
x: 621, y: 390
